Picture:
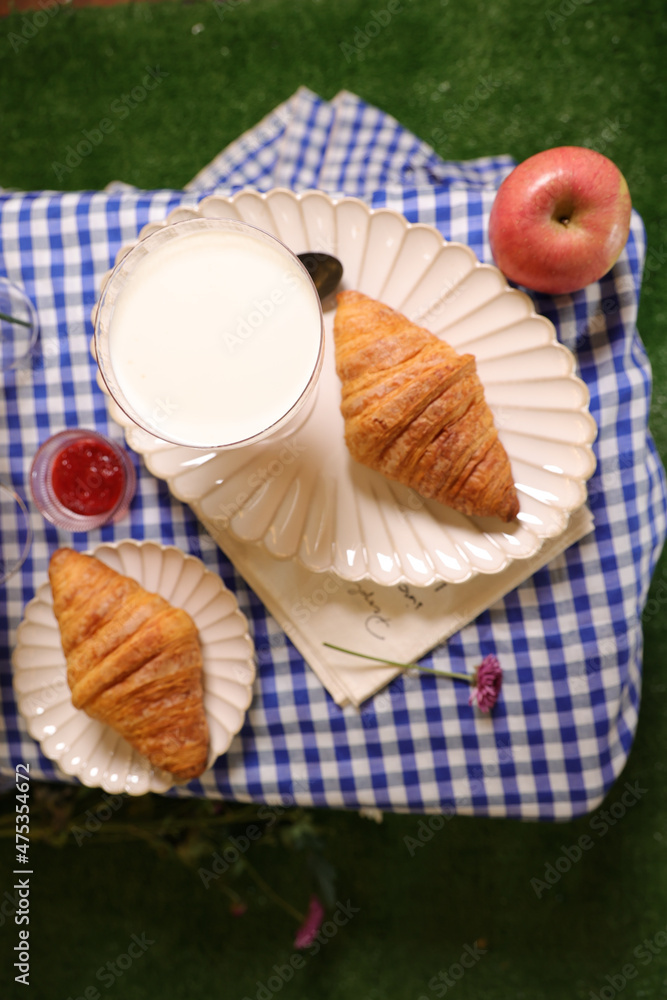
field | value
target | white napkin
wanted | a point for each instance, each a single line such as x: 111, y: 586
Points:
x: 402, y: 623
x: 306, y: 142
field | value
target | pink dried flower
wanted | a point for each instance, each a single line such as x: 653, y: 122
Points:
x: 488, y: 682
x: 309, y: 929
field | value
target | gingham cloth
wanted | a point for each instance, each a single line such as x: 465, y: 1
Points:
x: 569, y: 639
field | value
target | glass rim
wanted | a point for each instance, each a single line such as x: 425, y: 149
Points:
x: 120, y: 274
x: 10, y: 493
x: 32, y: 322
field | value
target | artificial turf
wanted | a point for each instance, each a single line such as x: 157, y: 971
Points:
x: 567, y: 72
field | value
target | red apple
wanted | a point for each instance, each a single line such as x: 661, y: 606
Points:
x: 560, y: 220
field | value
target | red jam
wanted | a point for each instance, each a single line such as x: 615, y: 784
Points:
x: 87, y: 477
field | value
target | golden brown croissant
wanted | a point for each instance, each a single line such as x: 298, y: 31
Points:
x: 415, y: 410
x: 133, y: 661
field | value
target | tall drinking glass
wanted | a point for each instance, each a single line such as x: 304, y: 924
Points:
x: 209, y: 334
x: 15, y: 532
x: 19, y: 329
x: 18, y: 325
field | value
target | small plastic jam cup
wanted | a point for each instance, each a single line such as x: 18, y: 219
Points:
x: 81, y: 480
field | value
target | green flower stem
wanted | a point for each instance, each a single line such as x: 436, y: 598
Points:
x: 118, y: 828
x: 271, y: 893
x: 405, y: 666
x: 229, y: 893
x: 13, y: 319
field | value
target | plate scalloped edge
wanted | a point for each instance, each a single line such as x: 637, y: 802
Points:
x: 528, y: 376
x: 91, y: 751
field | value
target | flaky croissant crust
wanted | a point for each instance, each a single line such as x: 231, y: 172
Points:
x: 414, y: 410
x: 133, y: 661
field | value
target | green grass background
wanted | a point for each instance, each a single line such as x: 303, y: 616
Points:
x: 565, y: 72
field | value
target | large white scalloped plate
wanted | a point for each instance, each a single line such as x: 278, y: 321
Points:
x: 311, y: 501
x: 90, y: 750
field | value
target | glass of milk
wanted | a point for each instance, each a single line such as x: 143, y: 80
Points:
x: 209, y: 334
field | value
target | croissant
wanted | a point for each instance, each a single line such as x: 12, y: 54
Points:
x: 414, y: 410
x: 133, y: 661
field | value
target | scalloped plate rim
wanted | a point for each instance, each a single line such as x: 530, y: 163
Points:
x: 159, y: 779
x: 566, y: 510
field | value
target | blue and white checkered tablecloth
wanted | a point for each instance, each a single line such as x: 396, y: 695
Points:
x: 569, y: 638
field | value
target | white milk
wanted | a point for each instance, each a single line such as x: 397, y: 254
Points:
x: 214, y: 337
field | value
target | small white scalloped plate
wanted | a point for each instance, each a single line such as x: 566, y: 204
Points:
x: 90, y: 750
x: 313, y: 503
